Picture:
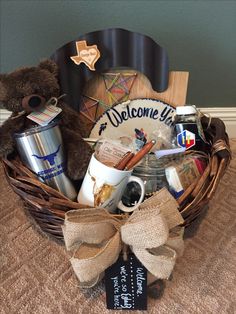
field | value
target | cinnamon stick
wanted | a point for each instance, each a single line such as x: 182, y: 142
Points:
x: 123, y: 162
x: 137, y: 157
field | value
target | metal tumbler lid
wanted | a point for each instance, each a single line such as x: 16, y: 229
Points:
x: 36, y: 129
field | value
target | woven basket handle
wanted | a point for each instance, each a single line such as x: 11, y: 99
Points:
x: 215, y: 132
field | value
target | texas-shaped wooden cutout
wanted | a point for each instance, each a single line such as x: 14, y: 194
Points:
x: 86, y: 54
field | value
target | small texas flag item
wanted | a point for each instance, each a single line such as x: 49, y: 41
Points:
x: 86, y: 54
x: 186, y: 139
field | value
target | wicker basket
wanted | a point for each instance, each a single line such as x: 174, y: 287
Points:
x: 47, y: 206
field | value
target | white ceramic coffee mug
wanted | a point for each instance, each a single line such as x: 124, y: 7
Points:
x: 104, y: 186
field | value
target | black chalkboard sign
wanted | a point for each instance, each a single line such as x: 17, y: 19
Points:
x: 126, y: 284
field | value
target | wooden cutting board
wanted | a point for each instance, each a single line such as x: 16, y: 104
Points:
x: 175, y: 95
x: 96, y: 90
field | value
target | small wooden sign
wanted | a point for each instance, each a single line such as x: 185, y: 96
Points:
x: 126, y: 284
x: 86, y: 54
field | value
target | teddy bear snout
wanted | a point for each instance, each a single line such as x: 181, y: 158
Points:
x: 33, y: 103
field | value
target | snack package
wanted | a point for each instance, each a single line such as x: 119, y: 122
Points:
x: 163, y: 137
x: 110, y: 152
x: 180, y: 174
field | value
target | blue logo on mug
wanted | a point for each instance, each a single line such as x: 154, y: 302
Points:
x: 50, y: 158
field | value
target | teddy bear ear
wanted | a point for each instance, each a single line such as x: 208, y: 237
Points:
x: 49, y: 65
x: 3, y: 88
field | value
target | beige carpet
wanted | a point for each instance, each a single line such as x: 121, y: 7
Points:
x: 36, y: 277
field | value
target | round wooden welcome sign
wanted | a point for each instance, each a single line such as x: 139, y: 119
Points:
x: 135, y: 118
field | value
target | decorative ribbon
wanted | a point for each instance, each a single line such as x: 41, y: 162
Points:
x: 52, y: 101
x: 152, y: 232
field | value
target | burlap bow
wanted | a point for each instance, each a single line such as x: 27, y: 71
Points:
x: 152, y: 233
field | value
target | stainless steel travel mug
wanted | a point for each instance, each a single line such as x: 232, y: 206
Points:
x: 41, y: 150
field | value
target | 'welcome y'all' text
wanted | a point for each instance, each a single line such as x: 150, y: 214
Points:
x: 116, y: 118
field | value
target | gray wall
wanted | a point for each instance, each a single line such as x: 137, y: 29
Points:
x: 200, y: 36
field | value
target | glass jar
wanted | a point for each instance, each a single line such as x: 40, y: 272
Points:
x: 188, y: 128
x: 152, y: 171
x: 186, y: 114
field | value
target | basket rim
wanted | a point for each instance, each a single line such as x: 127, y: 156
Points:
x: 48, y: 200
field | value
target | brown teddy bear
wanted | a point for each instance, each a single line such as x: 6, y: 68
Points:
x: 27, y: 89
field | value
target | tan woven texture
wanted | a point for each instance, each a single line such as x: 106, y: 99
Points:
x: 36, y: 276
x: 146, y: 228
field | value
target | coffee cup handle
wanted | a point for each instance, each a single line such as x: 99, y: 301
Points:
x: 126, y: 209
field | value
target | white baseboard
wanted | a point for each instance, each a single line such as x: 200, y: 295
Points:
x: 4, y: 114
x: 227, y: 114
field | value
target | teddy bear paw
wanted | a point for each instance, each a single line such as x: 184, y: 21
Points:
x: 6, y: 148
x: 76, y: 171
x: 77, y: 166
